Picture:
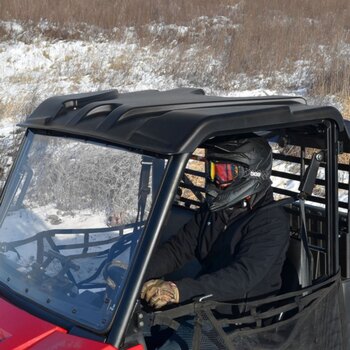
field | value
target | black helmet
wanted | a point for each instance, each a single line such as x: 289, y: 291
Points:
x: 249, y: 163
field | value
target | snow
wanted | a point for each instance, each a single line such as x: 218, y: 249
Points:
x: 33, y: 69
x: 25, y: 223
x: 12, y: 27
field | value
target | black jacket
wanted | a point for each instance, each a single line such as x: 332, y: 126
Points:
x: 241, y: 253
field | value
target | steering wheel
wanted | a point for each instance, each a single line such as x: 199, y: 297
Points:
x: 113, y: 273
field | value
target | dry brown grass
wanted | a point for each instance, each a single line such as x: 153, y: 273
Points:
x: 253, y: 37
x: 112, y: 13
x: 277, y: 34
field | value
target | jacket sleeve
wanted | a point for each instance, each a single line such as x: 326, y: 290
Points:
x: 264, y: 242
x: 173, y: 254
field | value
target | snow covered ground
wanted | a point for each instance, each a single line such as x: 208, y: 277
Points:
x: 33, y: 68
x: 35, y: 71
x: 24, y: 223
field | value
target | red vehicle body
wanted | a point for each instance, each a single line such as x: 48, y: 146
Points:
x: 20, y: 330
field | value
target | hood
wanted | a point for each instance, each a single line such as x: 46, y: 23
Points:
x: 20, y: 330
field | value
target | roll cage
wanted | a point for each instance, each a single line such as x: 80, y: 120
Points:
x: 174, y: 124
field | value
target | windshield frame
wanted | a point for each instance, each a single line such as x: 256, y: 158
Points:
x: 128, y: 301
x: 6, y: 200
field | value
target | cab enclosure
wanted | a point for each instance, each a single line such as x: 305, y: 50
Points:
x: 103, y: 178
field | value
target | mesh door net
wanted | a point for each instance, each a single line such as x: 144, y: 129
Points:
x: 312, y: 318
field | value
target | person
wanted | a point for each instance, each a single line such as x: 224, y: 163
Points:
x: 240, y: 237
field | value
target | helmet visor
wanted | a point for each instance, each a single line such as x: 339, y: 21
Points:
x: 223, y: 173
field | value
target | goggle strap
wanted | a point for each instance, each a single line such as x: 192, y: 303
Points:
x: 212, y: 171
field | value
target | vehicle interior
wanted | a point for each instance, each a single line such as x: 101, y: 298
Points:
x: 310, y: 277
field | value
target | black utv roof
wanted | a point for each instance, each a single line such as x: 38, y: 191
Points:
x: 171, y: 122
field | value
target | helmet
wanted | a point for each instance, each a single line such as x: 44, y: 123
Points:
x: 238, y: 169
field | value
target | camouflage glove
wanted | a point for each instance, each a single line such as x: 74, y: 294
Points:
x: 159, y: 293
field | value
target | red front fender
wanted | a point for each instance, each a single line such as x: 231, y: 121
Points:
x: 20, y: 330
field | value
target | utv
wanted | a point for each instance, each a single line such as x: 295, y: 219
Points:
x: 102, y: 178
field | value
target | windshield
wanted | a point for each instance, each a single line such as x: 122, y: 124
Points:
x: 71, y: 217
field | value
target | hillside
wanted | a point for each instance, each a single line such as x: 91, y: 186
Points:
x: 227, y: 47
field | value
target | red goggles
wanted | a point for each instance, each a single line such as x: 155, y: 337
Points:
x: 223, y: 173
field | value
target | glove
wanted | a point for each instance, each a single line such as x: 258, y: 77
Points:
x: 159, y: 293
